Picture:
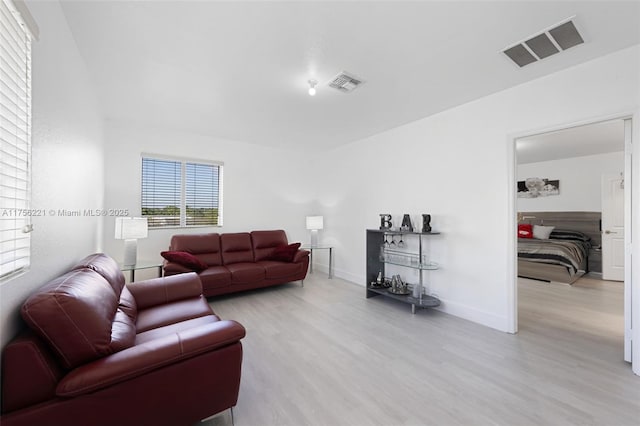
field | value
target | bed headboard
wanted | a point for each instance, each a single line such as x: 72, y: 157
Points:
x: 587, y: 222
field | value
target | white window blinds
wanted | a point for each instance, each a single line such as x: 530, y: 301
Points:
x: 15, y: 137
x: 181, y: 193
x: 202, y: 187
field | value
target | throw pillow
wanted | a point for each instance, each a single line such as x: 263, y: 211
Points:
x: 185, y: 259
x: 285, y: 253
x: 542, y: 232
x: 525, y: 230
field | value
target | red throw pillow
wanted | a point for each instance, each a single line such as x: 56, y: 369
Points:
x: 285, y: 253
x: 185, y: 259
x: 525, y: 230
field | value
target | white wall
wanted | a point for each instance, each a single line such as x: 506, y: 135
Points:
x: 455, y: 165
x: 264, y: 188
x: 67, y: 161
x: 580, y: 182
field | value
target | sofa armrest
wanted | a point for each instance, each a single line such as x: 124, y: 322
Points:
x: 141, y: 359
x: 301, y: 254
x: 159, y: 291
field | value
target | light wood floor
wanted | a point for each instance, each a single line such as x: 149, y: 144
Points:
x: 323, y: 354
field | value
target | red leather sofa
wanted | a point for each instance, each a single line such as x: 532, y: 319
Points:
x: 98, y: 352
x: 238, y: 261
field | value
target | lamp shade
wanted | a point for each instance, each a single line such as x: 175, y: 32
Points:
x: 315, y: 222
x: 131, y: 228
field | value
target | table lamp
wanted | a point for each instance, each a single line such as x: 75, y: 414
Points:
x: 314, y: 223
x: 130, y: 229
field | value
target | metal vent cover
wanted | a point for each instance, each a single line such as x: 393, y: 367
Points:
x: 555, y: 39
x: 345, y: 82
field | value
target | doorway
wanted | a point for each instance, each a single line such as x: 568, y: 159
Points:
x: 524, y: 146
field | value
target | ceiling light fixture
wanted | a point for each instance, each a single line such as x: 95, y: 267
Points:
x: 312, y: 87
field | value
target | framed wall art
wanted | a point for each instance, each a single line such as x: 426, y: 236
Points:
x: 538, y: 187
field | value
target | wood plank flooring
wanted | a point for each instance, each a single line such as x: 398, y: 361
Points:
x: 323, y: 354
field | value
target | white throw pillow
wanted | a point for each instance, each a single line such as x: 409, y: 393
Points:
x: 542, y: 232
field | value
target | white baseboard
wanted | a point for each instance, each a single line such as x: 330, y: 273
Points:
x: 474, y: 315
x: 452, y: 308
x: 353, y: 278
x: 338, y: 273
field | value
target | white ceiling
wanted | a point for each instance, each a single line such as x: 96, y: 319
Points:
x: 239, y: 70
x: 592, y: 139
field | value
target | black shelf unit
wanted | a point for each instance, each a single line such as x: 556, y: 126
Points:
x: 375, y: 264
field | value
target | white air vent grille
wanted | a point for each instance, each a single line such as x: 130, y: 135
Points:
x: 557, y: 38
x: 345, y: 82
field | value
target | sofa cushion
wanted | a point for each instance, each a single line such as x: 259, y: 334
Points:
x: 236, y: 248
x: 245, y: 273
x: 276, y: 270
x: 264, y: 242
x: 284, y: 253
x: 128, y: 304
x: 185, y: 259
x: 109, y: 270
x: 106, y: 267
x: 78, y: 315
x: 171, y: 313
x: 205, y: 247
x: 159, y: 332
x: 215, y: 276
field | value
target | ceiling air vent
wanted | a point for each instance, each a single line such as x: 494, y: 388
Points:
x: 557, y: 38
x: 345, y: 82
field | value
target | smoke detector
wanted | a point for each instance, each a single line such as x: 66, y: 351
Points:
x: 555, y: 39
x: 345, y: 82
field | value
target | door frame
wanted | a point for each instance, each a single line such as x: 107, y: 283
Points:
x: 632, y: 233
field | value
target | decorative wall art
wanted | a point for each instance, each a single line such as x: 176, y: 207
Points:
x: 385, y: 221
x: 538, y: 187
x: 407, y: 226
x: 406, y: 223
x: 426, y: 223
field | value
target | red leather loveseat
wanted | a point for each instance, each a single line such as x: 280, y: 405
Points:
x: 98, y: 352
x: 239, y: 261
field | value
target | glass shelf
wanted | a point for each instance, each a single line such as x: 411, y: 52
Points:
x: 410, y: 260
x: 427, y: 301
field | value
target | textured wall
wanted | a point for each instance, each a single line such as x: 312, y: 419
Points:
x: 67, y: 162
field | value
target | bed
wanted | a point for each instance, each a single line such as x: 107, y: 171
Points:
x: 563, y: 256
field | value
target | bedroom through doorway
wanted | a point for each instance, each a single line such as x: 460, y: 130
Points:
x: 563, y: 180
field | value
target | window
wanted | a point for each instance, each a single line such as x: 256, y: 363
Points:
x: 181, y: 192
x: 15, y: 142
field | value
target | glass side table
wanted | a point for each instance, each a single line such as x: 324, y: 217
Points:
x: 311, y: 249
x: 140, y: 265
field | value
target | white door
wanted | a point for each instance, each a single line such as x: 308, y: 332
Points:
x: 613, y: 227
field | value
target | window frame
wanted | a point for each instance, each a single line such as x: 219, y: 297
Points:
x: 183, y: 161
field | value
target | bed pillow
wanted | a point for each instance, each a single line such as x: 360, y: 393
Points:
x: 542, y: 232
x: 185, y: 259
x: 525, y: 230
